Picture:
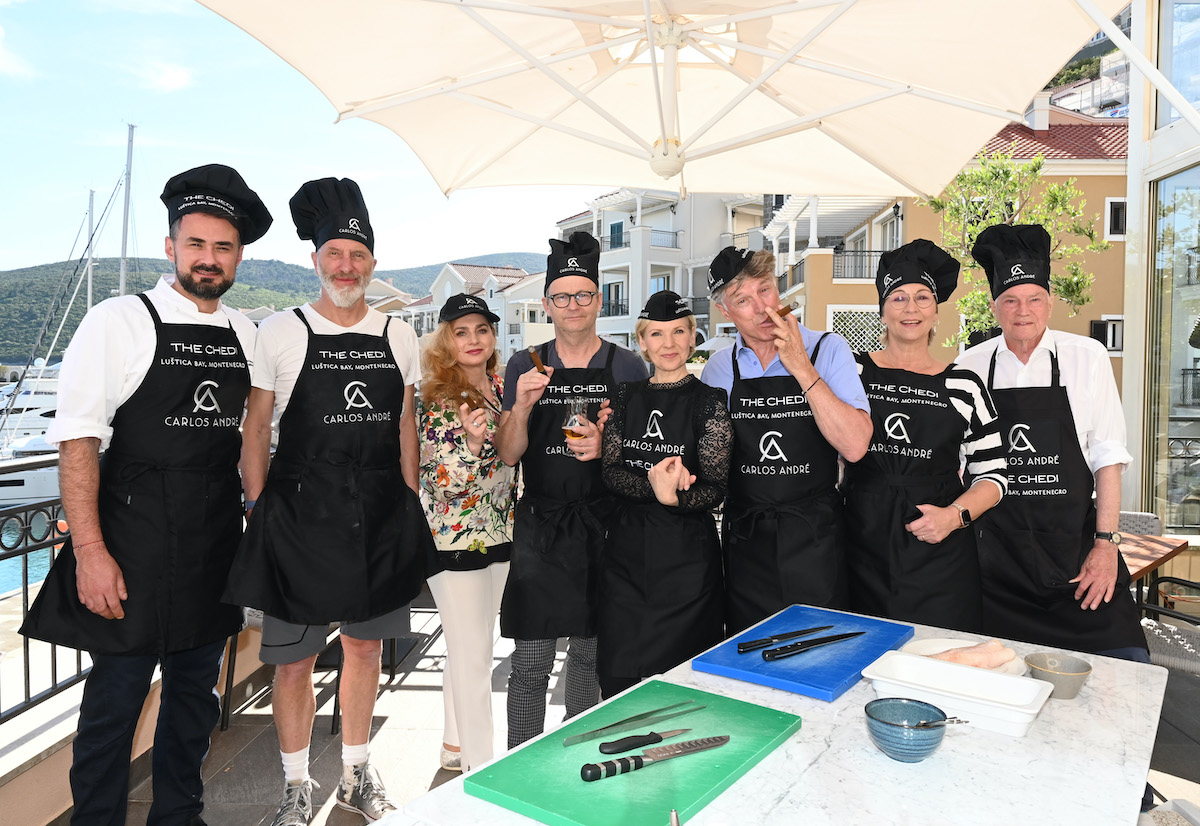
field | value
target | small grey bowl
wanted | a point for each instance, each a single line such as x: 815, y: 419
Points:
x: 1066, y: 673
x: 892, y: 724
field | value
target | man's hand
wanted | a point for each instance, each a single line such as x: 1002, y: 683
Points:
x: 586, y: 448
x: 1098, y: 577
x: 530, y: 387
x: 99, y: 581
x: 790, y: 344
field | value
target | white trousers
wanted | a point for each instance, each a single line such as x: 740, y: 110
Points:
x: 468, y: 602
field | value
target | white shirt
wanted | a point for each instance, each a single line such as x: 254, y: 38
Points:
x: 111, y: 352
x: 1084, y: 368
x: 283, y: 344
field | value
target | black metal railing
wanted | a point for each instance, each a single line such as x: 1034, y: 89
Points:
x: 514, y: 329
x: 699, y: 306
x: 612, y: 308
x: 855, y: 263
x: 1182, y: 511
x: 793, y: 276
x: 664, y: 238
x: 1189, y: 393
x: 30, y: 536
x: 614, y: 242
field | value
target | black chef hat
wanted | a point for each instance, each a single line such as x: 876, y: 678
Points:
x: 665, y: 305
x: 457, y: 306
x: 217, y: 190
x: 917, y: 262
x: 1012, y: 255
x: 331, y: 208
x: 725, y: 267
x: 578, y: 256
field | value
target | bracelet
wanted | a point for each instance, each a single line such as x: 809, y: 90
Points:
x: 250, y: 503
x: 814, y: 384
x: 85, y: 544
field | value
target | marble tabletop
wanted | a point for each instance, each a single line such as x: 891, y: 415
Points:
x: 1084, y: 761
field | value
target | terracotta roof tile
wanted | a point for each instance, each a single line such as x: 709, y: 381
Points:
x: 1068, y: 141
x: 476, y: 274
x: 427, y: 299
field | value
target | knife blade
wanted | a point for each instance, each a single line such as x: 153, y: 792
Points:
x: 754, y: 645
x: 638, y: 740
x: 636, y: 721
x: 622, y: 765
x: 806, y: 645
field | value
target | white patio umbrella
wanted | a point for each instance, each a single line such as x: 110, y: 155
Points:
x: 715, y: 343
x: 830, y: 97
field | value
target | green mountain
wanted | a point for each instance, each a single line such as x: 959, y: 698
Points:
x: 27, y: 295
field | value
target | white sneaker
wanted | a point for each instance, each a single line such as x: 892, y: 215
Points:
x: 360, y: 790
x: 296, y: 808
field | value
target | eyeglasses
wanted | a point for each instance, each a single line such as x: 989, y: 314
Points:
x: 564, y: 299
x: 900, y: 300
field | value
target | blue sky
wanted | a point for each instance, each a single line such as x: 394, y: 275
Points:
x: 73, y: 73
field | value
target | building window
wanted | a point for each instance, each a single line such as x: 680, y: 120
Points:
x: 1114, y: 219
x: 858, y: 324
x: 1173, y: 368
x: 616, y: 235
x: 1178, y: 53
x: 889, y: 234
x: 658, y: 283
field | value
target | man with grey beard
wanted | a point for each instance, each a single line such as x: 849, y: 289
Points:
x: 336, y: 532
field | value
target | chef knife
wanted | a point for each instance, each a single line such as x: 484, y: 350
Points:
x: 610, y: 768
x: 806, y: 645
x: 754, y: 645
x: 636, y: 721
x: 637, y: 741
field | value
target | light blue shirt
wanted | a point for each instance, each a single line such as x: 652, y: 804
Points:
x: 835, y: 363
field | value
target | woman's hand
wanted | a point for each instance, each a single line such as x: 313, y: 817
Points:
x: 669, y: 477
x: 935, y: 523
x: 474, y: 425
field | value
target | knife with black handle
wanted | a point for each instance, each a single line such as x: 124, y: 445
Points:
x: 622, y: 765
x: 637, y: 741
x: 795, y: 648
x: 754, y: 645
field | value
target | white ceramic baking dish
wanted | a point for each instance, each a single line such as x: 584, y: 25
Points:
x: 997, y: 702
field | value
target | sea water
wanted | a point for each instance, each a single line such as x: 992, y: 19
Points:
x: 10, y: 569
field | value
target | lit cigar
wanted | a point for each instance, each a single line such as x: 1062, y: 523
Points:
x: 537, y: 360
x: 784, y: 309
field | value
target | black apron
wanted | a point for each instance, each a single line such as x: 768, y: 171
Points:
x: 912, y: 460
x: 336, y: 534
x: 782, y: 535
x: 1034, y: 542
x: 169, y: 503
x: 559, y: 526
x: 660, y: 594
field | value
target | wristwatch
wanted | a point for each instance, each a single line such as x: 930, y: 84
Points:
x: 963, y: 514
x: 1112, y: 536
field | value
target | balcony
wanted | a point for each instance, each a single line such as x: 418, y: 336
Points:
x: 609, y: 309
x: 855, y: 263
x: 614, y: 242
x: 664, y: 238
x: 792, y: 277
x: 699, y: 306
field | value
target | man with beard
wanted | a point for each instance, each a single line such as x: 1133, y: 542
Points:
x: 160, y: 380
x: 336, y: 532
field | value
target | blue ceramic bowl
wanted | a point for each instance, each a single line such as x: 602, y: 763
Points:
x: 892, y: 721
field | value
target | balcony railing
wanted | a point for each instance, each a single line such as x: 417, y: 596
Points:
x: 614, y: 242
x: 1190, y: 393
x: 855, y: 263
x: 613, y: 308
x: 793, y: 276
x: 514, y: 329
x: 699, y: 306
x: 30, y: 536
x: 664, y: 238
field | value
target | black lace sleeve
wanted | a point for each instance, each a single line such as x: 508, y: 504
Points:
x: 711, y: 421
x: 617, y: 477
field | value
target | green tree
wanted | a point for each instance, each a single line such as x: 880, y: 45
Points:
x: 1002, y: 190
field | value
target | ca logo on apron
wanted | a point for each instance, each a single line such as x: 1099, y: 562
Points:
x: 896, y: 427
x: 769, y: 447
x: 205, y: 398
x: 355, y: 398
x: 1018, y: 439
x: 653, y: 428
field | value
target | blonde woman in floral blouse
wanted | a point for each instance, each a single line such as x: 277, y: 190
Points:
x: 469, y: 496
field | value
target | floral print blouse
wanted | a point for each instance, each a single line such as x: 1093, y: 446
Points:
x: 468, y: 499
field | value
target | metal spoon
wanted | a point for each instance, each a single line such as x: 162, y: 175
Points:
x: 949, y: 721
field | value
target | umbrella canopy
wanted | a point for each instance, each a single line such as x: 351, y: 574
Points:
x: 715, y: 343
x: 830, y: 97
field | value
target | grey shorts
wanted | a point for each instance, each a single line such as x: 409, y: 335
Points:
x: 286, y: 642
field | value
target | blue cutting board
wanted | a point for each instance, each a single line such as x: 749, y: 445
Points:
x: 825, y: 672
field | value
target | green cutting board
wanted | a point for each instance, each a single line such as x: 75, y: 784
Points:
x: 542, y: 780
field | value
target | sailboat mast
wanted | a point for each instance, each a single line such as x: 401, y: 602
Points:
x: 91, y: 237
x: 125, y: 220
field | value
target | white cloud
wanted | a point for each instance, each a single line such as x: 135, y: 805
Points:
x: 11, y: 64
x: 162, y: 76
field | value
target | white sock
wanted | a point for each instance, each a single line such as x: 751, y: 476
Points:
x: 295, y: 765
x: 354, y: 755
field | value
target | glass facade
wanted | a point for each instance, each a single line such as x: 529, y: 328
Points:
x: 1179, y: 52
x: 1173, y: 440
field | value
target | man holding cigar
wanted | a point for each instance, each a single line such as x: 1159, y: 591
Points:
x: 559, y: 528
x: 796, y: 402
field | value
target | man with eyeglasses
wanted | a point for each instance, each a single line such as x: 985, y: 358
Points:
x: 797, y: 403
x: 559, y: 529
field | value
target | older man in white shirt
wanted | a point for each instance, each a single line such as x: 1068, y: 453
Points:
x: 1049, y: 553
